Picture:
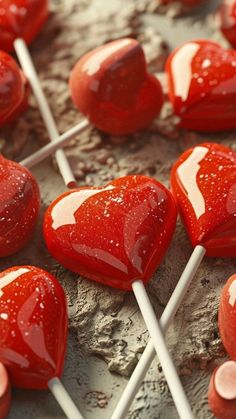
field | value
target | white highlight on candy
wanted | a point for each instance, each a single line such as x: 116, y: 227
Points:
x: 225, y: 380
x: 10, y: 277
x: 64, y: 211
x: 187, y: 172
x: 93, y: 64
x: 181, y: 69
x: 232, y: 293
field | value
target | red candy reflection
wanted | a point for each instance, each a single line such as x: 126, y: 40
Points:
x: 110, y: 85
x: 205, y: 98
x: 21, y: 19
x: 113, y: 234
x: 226, y: 19
x: 33, y: 324
x: 204, y: 183
x: 13, y: 89
x: 19, y: 206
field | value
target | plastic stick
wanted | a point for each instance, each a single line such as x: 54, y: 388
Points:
x: 63, y: 398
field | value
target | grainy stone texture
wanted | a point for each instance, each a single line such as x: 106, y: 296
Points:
x: 107, y: 334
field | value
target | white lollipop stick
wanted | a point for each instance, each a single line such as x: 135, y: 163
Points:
x: 30, y: 72
x: 50, y: 148
x: 63, y: 398
x: 166, y: 318
x: 159, y: 344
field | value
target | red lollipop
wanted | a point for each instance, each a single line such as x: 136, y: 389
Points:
x: 205, y: 98
x: 13, y: 89
x: 33, y: 324
x: 5, y: 392
x: 117, y: 235
x: 203, y: 181
x: 111, y: 86
x: 227, y: 316
x: 21, y: 19
x: 222, y: 391
x: 226, y: 20
x: 19, y: 206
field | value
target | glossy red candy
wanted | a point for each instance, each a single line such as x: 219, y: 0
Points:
x: 203, y: 181
x: 19, y: 206
x: 5, y: 392
x: 13, y: 89
x: 222, y: 391
x: 227, y: 316
x: 112, y: 234
x: 33, y: 324
x: 226, y: 19
x: 205, y: 98
x: 110, y: 86
x: 21, y: 19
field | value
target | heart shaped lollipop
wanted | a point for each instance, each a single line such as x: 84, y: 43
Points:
x: 118, y: 235
x: 19, y: 206
x: 205, y: 98
x: 203, y: 181
x: 226, y: 20
x: 110, y: 85
x: 227, y: 316
x: 13, y: 89
x: 5, y: 392
x: 33, y: 323
x: 222, y: 391
x: 113, y: 234
x: 21, y: 19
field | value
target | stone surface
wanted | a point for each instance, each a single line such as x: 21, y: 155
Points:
x: 107, y: 334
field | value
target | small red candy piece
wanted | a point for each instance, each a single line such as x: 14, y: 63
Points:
x: 205, y: 98
x: 112, y: 234
x: 222, y: 391
x: 5, y: 392
x: 203, y: 181
x: 226, y: 19
x: 227, y: 316
x: 19, y: 206
x: 13, y: 89
x: 21, y: 19
x: 33, y: 324
x: 110, y: 86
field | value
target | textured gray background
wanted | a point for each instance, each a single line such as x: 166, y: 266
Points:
x: 107, y: 334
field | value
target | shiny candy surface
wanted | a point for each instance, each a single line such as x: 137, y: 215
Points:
x: 5, y: 392
x: 33, y: 324
x: 226, y: 20
x: 113, y: 234
x: 19, y: 206
x: 21, y: 19
x: 203, y: 181
x: 110, y: 86
x: 222, y: 391
x: 13, y: 89
x: 205, y: 98
x: 227, y: 316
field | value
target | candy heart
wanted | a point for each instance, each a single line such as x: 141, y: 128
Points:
x: 222, y: 391
x: 21, y: 19
x: 227, y: 316
x: 205, y: 98
x: 204, y: 183
x: 226, y: 20
x: 33, y: 324
x: 19, y: 206
x: 112, y: 234
x: 13, y: 89
x: 110, y: 86
x: 5, y: 392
